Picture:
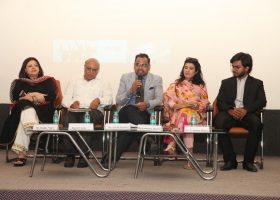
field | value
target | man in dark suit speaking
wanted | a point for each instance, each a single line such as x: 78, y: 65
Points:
x: 239, y: 100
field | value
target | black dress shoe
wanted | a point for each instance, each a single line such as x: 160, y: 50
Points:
x: 153, y: 149
x: 229, y: 166
x: 104, y: 161
x: 105, y: 165
x: 69, y: 161
x: 250, y: 167
x: 82, y: 163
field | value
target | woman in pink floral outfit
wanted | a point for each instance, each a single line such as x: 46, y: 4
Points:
x: 185, y: 97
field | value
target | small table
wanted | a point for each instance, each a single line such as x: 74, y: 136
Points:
x: 206, y: 175
x: 66, y: 133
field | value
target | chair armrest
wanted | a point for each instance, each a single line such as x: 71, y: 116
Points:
x: 209, y: 108
x: 60, y: 107
x: 158, y: 108
x: 110, y: 107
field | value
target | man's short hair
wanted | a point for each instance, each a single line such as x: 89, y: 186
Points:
x: 142, y: 55
x: 245, y: 58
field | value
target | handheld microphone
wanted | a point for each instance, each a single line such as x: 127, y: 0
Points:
x: 140, y: 77
x: 138, y: 91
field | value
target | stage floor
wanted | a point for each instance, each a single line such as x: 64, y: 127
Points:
x: 170, y: 177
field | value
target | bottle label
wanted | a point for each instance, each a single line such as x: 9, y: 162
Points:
x: 193, y: 119
x: 115, y: 118
x: 55, y: 117
x: 153, y: 119
x: 55, y: 120
x: 87, y: 118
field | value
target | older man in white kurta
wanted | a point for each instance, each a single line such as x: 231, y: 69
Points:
x: 86, y: 91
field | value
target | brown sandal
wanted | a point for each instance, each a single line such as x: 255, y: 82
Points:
x: 20, y: 162
x: 170, y: 149
x: 188, y: 165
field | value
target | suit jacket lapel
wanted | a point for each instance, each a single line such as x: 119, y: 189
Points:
x: 246, y: 88
x: 147, y: 82
x: 234, y: 87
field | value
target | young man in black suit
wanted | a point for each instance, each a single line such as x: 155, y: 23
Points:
x: 239, y: 100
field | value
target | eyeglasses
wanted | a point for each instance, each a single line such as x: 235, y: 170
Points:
x: 236, y: 67
x: 91, y: 69
x: 141, y: 65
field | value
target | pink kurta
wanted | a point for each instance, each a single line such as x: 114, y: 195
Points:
x: 182, y: 93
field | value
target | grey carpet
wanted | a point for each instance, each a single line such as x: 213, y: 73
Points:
x: 168, y: 179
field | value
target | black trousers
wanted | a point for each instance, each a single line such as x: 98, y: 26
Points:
x: 78, y: 117
x: 130, y: 114
x: 252, y: 122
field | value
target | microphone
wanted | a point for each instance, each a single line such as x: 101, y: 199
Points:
x: 140, y: 77
x: 138, y: 91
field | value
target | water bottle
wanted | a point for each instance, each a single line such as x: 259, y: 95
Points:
x: 153, y: 118
x: 55, y: 117
x: 115, y: 117
x: 193, y: 119
x: 87, y: 117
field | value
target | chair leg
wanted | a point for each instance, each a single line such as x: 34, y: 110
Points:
x: 208, y: 150
x: 8, y: 160
x: 7, y: 153
x: 260, y: 163
x: 261, y: 167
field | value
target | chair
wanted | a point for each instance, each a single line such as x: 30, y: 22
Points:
x: 234, y: 132
x: 4, y: 113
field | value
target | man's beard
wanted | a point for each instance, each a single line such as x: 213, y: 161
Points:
x: 239, y: 75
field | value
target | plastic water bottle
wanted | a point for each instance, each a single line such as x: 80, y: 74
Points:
x: 193, y: 119
x: 87, y: 117
x: 153, y: 118
x: 115, y: 117
x: 55, y: 117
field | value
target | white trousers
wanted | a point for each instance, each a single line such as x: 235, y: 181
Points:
x: 27, y: 119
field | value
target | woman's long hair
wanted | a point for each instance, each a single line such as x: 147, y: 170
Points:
x: 198, y: 77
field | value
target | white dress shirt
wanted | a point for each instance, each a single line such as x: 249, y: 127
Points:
x: 240, y: 92
x: 85, y: 92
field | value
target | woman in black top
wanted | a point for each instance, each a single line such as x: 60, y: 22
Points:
x: 33, y: 96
